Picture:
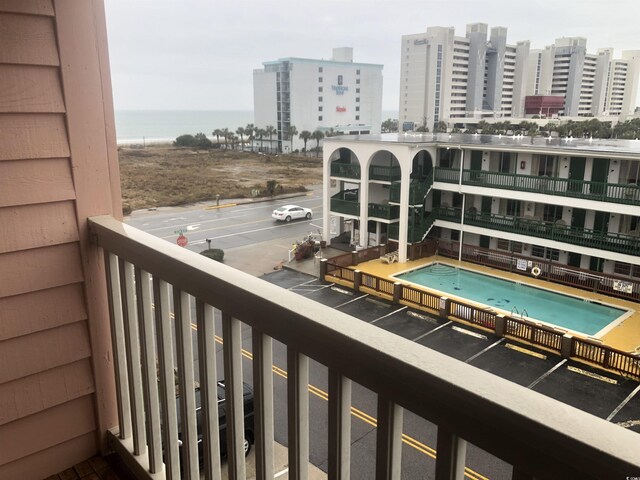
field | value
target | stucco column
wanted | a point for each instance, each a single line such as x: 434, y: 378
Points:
x: 405, y: 182
x: 326, y: 196
x: 364, y: 204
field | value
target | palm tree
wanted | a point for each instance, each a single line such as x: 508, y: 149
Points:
x: 317, y: 136
x: 292, y: 132
x: 249, y: 131
x: 240, y: 131
x: 270, y: 130
x: 225, y: 134
x: 217, y: 132
x: 305, y: 135
x: 260, y: 133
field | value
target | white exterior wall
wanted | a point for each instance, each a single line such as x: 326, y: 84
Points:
x: 264, y: 98
x: 305, y: 94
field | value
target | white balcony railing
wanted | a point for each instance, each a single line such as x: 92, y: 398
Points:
x: 539, y: 436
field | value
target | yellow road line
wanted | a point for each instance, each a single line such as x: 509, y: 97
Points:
x: 525, y: 351
x: 215, y: 207
x: 365, y: 417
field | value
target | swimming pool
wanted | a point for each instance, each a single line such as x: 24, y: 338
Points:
x: 546, y: 306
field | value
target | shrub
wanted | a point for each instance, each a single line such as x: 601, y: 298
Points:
x: 216, y: 254
x: 185, y: 141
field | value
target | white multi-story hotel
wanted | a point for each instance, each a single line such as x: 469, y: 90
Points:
x: 572, y: 202
x: 449, y: 78
x: 337, y: 94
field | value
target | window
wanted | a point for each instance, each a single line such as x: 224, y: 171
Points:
x: 626, y: 269
x: 513, y: 208
x: 320, y: 108
x: 319, y: 69
x: 357, y: 117
x: 357, y: 109
x: 319, y: 99
x: 357, y: 72
x: 357, y: 99
x: 339, y: 79
x: 544, y: 252
x: 319, y: 118
x: 545, y: 166
x: 552, y: 212
x: 320, y: 79
x: 320, y: 89
x: 357, y: 81
x: 357, y: 90
x: 509, y: 246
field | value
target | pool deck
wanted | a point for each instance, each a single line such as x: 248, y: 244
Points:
x: 625, y: 335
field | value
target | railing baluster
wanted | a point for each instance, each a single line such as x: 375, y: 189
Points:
x: 234, y: 398
x: 186, y: 385
x: 164, y: 339
x: 133, y: 357
x: 208, y: 390
x: 298, y: 414
x: 388, y: 440
x: 263, y: 395
x: 451, y: 455
x: 118, y: 345
x: 149, y: 369
x: 339, y: 426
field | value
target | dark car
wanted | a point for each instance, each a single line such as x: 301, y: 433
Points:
x: 222, y: 419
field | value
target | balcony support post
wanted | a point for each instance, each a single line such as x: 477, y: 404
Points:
x: 298, y: 414
x: 208, y: 388
x: 388, y: 440
x: 450, y: 460
x: 263, y: 404
x: 234, y: 395
x: 357, y: 280
x: 339, y: 426
x: 323, y: 269
x: 397, y: 292
x: 565, y: 346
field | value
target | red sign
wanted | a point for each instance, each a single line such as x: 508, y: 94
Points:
x: 341, y: 109
x: 182, y: 241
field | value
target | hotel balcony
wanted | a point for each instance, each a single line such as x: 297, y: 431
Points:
x: 613, y: 242
x: 540, y: 437
x: 345, y: 170
x: 346, y: 202
x: 385, y: 173
x: 384, y: 211
x: 604, y: 192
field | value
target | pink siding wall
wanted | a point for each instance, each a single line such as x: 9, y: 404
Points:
x: 58, y: 166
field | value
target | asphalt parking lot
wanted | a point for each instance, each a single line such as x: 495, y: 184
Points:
x: 600, y: 393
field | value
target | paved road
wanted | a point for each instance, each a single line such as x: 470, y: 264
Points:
x: 230, y: 227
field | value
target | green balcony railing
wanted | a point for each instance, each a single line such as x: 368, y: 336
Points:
x: 418, y: 189
x: 388, y: 212
x: 605, y: 192
x: 346, y: 170
x: 613, y: 242
x: 349, y: 207
x: 389, y: 174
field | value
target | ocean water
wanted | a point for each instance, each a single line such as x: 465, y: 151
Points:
x: 156, y: 126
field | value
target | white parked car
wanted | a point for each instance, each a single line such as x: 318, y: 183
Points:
x: 291, y: 212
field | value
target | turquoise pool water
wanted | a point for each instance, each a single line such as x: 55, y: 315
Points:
x: 561, y: 310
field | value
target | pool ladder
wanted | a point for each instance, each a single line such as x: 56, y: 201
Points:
x: 521, y: 315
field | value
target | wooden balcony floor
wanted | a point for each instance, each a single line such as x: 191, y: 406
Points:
x: 96, y: 468
x: 623, y: 336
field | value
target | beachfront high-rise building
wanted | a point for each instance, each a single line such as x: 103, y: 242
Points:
x: 449, y: 78
x: 337, y: 94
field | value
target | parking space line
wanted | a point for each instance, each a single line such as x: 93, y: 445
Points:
x: 623, y: 403
x: 484, y: 350
x: 303, y: 284
x: 388, y: 314
x: 546, y: 374
x: 352, y: 300
x: 431, y: 331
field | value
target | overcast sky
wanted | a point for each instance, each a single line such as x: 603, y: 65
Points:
x: 200, y: 55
